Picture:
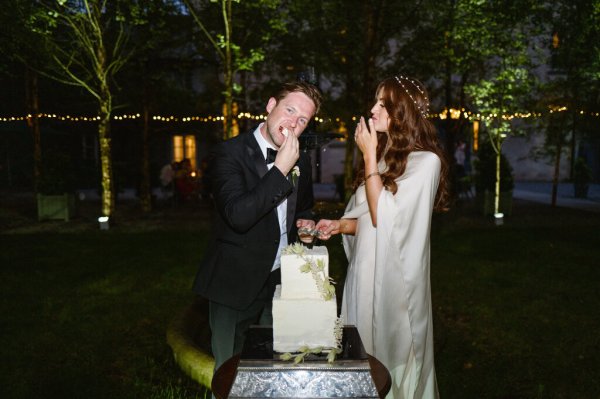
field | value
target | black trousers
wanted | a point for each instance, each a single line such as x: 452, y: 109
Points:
x: 229, y: 326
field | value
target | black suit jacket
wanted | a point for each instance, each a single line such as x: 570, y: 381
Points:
x: 246, y: 195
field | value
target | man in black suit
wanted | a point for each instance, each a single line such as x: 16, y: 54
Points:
x: 260, y: 203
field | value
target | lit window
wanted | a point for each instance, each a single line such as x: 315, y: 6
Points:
x: 185, y: 147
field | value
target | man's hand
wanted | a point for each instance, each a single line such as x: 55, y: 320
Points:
x: 288, y: 154
x: 305, y: 224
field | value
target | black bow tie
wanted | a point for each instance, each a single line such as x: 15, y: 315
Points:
x: 271, y: 154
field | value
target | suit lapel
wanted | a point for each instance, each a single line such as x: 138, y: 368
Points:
x: 255, y: 155
x: 291, y: 202
x: 258, y: 161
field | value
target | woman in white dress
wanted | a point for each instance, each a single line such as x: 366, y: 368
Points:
x: 401, y: 179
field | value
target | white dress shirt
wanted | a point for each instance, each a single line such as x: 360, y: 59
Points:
x: 281, y: 208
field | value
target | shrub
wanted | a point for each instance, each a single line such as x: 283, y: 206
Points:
x: 57, y: 174
x: 485, y: 171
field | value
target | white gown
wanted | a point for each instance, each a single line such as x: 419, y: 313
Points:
x: 387, y: 293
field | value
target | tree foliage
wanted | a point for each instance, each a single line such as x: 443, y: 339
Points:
x: 573, y: 34
x: 238, y: 42
x: 507, y: 82
x: 348, y: 47
x: 86, y: 40
x: 476, y: 54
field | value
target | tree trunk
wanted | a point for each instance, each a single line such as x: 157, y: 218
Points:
x: 497, y: 188
x: 108, y: 197
x: 574, y: 145
x: 559, y: 143
x: 373, y: 20
x: 449, y: 136
x: 145, y: 192
x: 227, y: 131
x: 574, y: 149
x: 33, y: 122
x: 104, y: 136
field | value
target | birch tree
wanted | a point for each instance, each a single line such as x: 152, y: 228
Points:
x: 87, y: 42
x: 505, y: 87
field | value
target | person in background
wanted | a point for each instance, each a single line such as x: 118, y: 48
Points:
x: 261, y: 186
x: 459, y: 153
x: 185, y: 183
x: 400, y: 180
x: 167, y: 174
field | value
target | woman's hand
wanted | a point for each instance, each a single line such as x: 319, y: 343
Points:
x: 327, y: 228
x: 366, y: 138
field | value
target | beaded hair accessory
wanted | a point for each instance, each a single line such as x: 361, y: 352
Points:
x: 423, y: 109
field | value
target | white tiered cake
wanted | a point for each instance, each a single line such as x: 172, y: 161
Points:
x: 304, y: 305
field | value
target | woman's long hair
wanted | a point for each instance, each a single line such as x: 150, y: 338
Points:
x: 406, y: 102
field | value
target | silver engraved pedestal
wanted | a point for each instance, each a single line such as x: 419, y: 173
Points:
x: 260, y: 373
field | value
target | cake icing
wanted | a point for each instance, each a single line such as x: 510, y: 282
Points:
x: 304, y: 305
x: 296, y: 284
x: 299, y: 323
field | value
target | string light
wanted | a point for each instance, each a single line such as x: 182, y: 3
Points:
x: 451, y: 113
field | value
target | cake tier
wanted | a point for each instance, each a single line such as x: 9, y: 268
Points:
x: 296, y: 284
x: 302, y: 322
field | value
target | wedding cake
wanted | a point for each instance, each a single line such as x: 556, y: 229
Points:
x: 304, y: 305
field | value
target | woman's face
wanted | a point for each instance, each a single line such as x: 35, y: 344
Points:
x: 380, y: 115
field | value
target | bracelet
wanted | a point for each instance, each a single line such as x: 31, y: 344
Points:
x: 371, y: 175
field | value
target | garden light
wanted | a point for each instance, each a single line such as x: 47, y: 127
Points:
x: 103, y: 220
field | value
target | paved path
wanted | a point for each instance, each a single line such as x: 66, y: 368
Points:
x: 540, y: 192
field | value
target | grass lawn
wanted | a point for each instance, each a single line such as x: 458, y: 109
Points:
x: 84, y: 312
x: 516, y: 306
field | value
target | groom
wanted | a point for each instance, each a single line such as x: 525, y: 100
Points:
x: 261, y: 199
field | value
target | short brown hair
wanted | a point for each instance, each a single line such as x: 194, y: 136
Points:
x: 310, y: 90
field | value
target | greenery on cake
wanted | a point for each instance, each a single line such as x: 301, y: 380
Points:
x: 327, y: 291
x: 338, y: 332
x: 304, y: 351
x: 324, y: 285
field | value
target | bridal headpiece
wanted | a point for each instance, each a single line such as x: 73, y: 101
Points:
x: 423, y: 108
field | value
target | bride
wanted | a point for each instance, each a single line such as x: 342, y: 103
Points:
x: 401, y: 179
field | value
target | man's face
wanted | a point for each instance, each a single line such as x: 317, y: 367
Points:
x: 293, y: 112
